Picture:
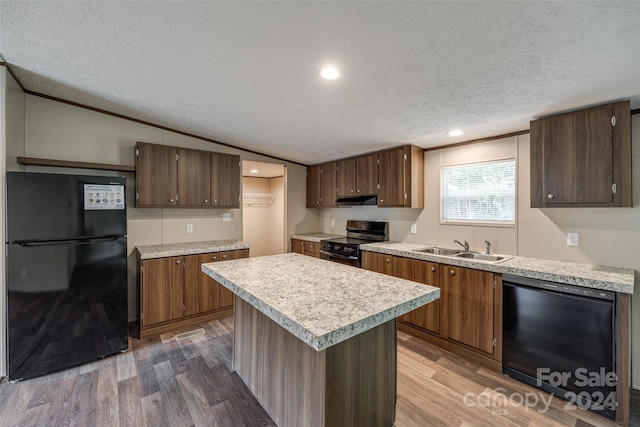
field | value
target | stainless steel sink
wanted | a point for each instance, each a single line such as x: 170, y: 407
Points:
x: 439, y: 251
x: 482, y: 257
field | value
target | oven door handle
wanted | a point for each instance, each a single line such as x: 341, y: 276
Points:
x: 339, y: 256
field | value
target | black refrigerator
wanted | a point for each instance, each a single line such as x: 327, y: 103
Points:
x: 66, y: 271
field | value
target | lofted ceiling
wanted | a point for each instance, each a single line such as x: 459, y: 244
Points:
x: 248, y: 73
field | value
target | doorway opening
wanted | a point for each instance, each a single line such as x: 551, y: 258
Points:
x: 264, y: 207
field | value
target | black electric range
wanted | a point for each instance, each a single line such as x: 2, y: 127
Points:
x: 346, y: 250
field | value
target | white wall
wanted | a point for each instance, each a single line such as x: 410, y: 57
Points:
x: 60, y: 131
x: 608, y: 236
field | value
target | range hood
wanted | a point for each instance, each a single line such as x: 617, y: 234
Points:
x: 357, y: 200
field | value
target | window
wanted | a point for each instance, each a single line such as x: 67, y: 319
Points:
x: 480, y: 193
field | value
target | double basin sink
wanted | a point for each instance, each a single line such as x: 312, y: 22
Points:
x: 476, y: 256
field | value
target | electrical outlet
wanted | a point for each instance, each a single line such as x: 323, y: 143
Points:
x: 333, y: 223
x: 226, y: 217
x: 189, y: 228
x: 414, y: 229
x: 573, y: 239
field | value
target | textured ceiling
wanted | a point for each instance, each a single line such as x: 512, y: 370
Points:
x: 247, y: 73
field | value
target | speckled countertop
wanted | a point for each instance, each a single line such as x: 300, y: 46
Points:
x: 315, y: 237
x: 190, y: 248
x: 586, y: 275
x: 320, y: 302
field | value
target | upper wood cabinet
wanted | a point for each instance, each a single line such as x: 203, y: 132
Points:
x: 180, y: 177
x: 314, y: 187
x: 328, y: 184
x: 156, y: 175
x: 321, y: 185
x: 358, y: 176
x: 194, y: 177
x: 395, y: 176
x: 401, y: 177
x: 582, y: 158
x: 226, y: 171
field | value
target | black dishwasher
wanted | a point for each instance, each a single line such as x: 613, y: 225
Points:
x: 560, y: 338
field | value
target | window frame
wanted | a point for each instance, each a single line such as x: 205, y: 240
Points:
x: 480, y: 223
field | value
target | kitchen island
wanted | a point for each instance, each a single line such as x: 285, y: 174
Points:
x: 315, y: 341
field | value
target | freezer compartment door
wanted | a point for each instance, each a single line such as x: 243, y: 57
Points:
x: 67, y: 304
x: 44, y: 207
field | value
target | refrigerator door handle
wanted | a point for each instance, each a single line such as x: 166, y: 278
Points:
x: 69, y: 242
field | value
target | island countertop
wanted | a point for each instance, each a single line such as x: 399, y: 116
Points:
x: 320, y: 302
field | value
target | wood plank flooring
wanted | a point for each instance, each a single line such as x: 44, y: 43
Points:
x: 164, y: 382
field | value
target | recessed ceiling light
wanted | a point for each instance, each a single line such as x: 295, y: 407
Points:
x: 455, y: 132
x: 330, y: 73
x: 254, y: 171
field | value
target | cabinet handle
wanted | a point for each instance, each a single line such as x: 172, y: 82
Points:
x: 224, y: 256
x: 178, y: 262
x: 550, y: 196
x: 215, y: 201
x: 206, y: 201
x: 352, y: 190
x: 388, y: 260
x: 358, y: 191
x: 433, y: 269
x: 171, y: 200
x: 381, y: 201
x: 453, y: 272
x: 214, y: 257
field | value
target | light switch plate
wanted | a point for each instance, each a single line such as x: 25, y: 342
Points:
x: 226, y: 217
x: 189, y: 228
x: 333, y: 223
x: 573, y: 239
x: 414, y: 229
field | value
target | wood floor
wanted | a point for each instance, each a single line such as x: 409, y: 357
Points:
x: 161, y: 381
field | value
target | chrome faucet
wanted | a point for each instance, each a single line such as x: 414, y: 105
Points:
x: 465, y: 245
x: 488, y: 243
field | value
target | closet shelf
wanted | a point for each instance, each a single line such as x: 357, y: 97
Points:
x: 258, y: 200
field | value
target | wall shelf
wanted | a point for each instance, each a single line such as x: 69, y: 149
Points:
x: 257, y: 200
x: 70, y: 164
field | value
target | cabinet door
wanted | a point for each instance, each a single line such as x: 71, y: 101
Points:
x: 312, y: 249
x: 402, y: 268
x: 225, y: 180
x: 156, y: 175
x: 346, y: 177
x: 328, y: 176
x: 162, y: 284
x: 200, y: 290
x: 380, y: 263
x: 367, y: 175
x: 578, y: 157
x: 194, y: 178
x: 469, y: 302
x: 427, y: 316
x: 314, y: 189
x: 298, y: 246
x: 225, y: 296
x: 391, y: 175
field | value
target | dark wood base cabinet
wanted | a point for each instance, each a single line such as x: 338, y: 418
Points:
x: 466, y: 320
x: 174, y: 291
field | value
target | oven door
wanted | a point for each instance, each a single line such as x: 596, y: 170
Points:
x: 353, y: 261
